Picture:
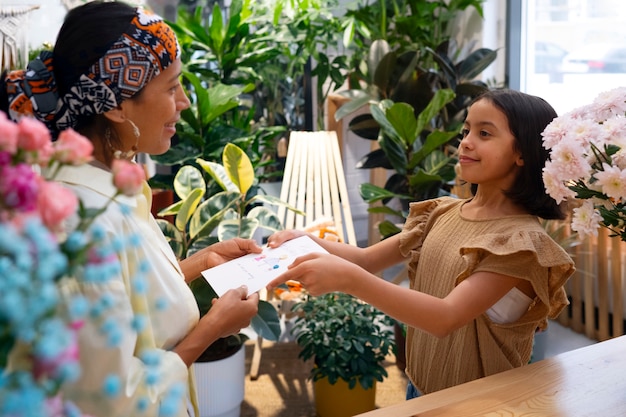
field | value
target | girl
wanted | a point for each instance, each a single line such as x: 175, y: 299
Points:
x: 484, y: 274
x: 114, y: 77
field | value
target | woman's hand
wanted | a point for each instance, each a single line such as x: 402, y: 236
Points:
x: 234, y: 310
x: 228, y: 315
x: 320, y: 273
x: 278, y: 238
x: 230, y: 249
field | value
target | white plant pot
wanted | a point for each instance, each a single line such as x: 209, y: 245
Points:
x: 220, y: 385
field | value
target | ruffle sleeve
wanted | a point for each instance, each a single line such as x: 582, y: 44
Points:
x: 527, y: 254
x: 417, y: 224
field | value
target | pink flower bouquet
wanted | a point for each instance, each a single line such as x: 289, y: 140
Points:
x: 38, y: 349
x: 588, y: 163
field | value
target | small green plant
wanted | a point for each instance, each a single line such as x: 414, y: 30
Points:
x: 346, y: 338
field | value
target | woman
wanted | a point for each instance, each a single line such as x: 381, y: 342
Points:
x: 114, y: 77
x: 484, y: 274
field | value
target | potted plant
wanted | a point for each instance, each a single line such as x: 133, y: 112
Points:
x: 236, y: 211
x: 348, y: 341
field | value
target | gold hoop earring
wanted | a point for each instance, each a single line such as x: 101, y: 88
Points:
x: 118, y: 154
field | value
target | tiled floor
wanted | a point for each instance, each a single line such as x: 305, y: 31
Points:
x: 558, y: 339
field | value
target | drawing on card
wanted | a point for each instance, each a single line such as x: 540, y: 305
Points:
x: 256, y: 270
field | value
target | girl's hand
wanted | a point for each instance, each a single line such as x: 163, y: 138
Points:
x: 278, y: 238
x: 221, y: 252
x: 320, y: 273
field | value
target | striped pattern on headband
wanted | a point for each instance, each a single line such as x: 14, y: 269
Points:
x: 147, y: 48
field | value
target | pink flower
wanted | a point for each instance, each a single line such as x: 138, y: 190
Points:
x: 34, y: 138
x: 33, y: 135
x: 51, y: 366
x: 612, y: 180
x: 18, y: 187
x: 8, y: 135
x: 128, y: 177
x: 73, y: 148
x: 55, y: 203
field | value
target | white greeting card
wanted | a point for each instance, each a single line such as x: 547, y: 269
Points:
x: 256, y: 270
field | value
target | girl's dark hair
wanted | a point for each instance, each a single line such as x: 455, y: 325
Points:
x: 528, y: 116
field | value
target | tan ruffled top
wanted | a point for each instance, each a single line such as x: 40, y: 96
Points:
x: 444, y: 249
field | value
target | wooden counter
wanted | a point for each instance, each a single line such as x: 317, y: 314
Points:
x: 590, y: 381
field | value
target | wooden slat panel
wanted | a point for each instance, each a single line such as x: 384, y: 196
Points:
x: 602, y: 280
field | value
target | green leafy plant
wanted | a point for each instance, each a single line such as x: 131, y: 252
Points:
x: 423, y: 167
x: 418, y: 84
x: 236, y: 211
x: 346, y: 338
x: 233, y: 212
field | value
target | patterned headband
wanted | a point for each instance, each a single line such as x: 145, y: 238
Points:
x: 148, y: 47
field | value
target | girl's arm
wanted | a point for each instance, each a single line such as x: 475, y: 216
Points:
x: 374, y: 258
x: 322, y: 273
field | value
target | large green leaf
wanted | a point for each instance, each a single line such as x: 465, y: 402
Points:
x: 216, y: 29
x: 267, y: 322
x: 387, y: 228
x: 267, y: 218
x: 172, y: 209
x: 422, y: 179
x: 219, y: 174
x: 173, y: 236
x: 244, y: 228
x: 438, y: 102
x: 385, y: 210
x: 190, y: 203
x: 187, y: 179
x: 210, y: 213
x: 433, y: 141
x: 378, y: 51
x: 372, y: 193
x: 375, y: 159
x: 238, y: 167
x: 365, y: 126
x: 402, y: 117
x: 358, y: 99
x: 222, y: 98
x: 476, y: 63
x: 275, y: 201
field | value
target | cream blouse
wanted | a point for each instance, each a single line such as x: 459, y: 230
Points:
x: 167, y: 304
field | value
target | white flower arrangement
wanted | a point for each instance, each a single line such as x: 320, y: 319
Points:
x: 588, y: 163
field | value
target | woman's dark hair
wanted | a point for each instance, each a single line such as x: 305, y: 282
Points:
x: 528, y: 116
x: 87, y: 32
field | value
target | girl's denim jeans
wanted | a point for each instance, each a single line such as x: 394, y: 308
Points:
x: 411, y: 391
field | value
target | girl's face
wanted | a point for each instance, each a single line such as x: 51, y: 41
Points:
x: 155, y: 111
x: 487, y: 154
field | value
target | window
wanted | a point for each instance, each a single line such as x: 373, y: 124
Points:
x: 567, y: 51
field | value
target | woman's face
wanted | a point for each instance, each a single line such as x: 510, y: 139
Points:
x: 487, y: 153
x: 155, y: 111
